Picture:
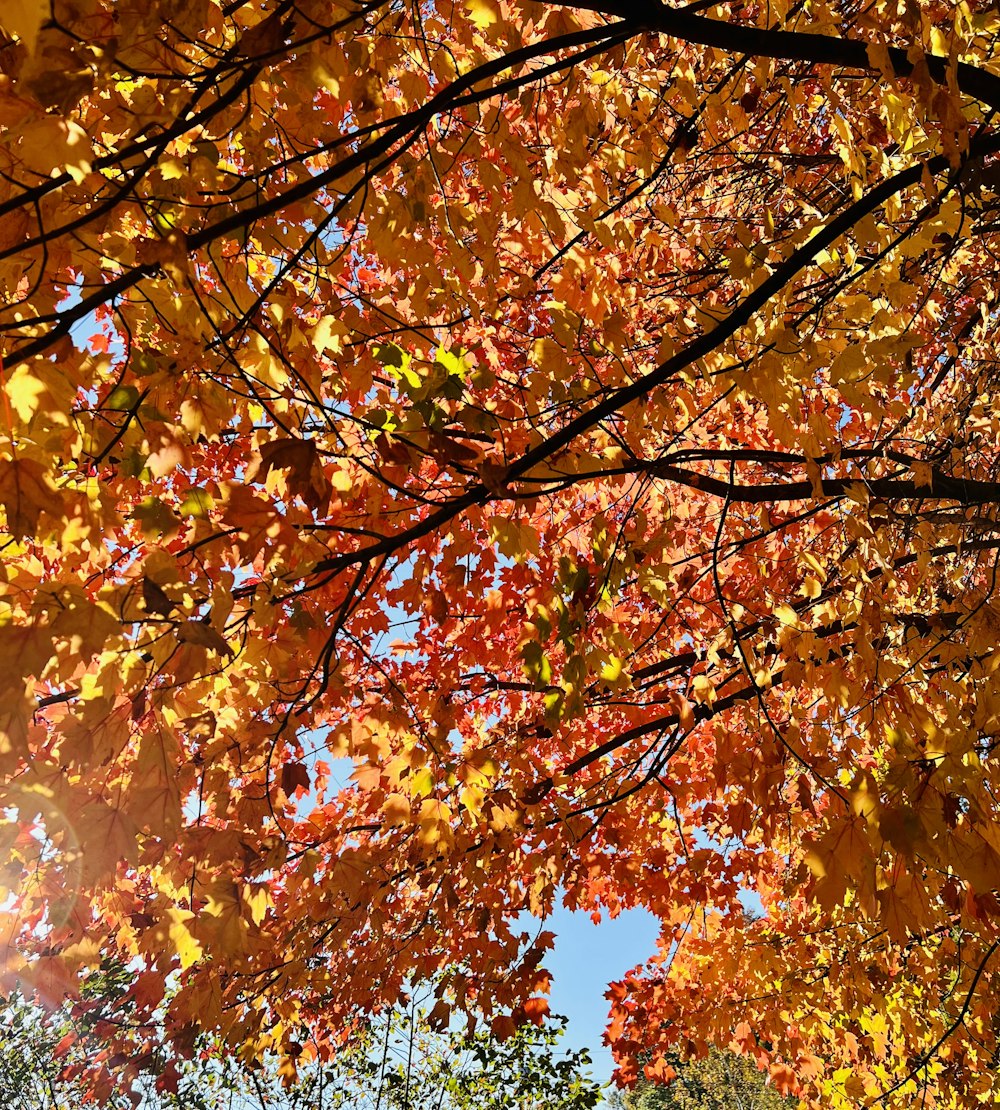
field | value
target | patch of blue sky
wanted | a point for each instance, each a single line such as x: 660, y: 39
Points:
x: 586, y: 958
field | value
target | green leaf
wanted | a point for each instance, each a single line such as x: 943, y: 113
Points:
x: 390, y: 355
x: 143, y: 363
x: 155, y: 518
x: 196, y: 503
x: 122, y: 398
x: 536, y: 663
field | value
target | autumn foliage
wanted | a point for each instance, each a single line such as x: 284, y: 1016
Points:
x: 459, y: 456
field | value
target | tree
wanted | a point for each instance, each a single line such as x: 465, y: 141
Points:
x: 457, y: 456
x: 397, y: 1061
x: 719, y: 1081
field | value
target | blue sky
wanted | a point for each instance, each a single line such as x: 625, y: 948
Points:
x: 586, y: 958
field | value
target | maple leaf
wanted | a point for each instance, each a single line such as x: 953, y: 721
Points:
x: 294, y: 777
x: 110, y: 836
x: 181, y: 941
x: 482, y: 12
x: 204, y: 635
x: 26, y: 491
x: 154, y: 599
x: 223, y: 919
x: 156, y: 518
x: 305, y: 473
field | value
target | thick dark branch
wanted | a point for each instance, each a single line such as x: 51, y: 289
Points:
x: 794, y: 46
x: 664, y: 724
x: 966, y: 491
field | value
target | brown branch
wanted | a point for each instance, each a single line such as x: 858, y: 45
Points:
x: 966, y: 491
x: 794, y: 46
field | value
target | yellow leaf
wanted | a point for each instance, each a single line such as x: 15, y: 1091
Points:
x: 222, y: 921
x: 56, y: 144
x: 685, y: 714
x: 612, y: 670
x: 787, y: 615
x: 171, y: 169
x: 24, y: 391
x: 422, y: 783
x: 811, y: 587
x: 196, y: 503
x: 878, y: 56
x: 85, y: 953
x: 122, y: 398
x: 185, y: 946
x: 155, y: 518
x: 483, y: 13
x: 396, y: 809
x: 702, y: 689
x: 548, y: 356
x: 327, y: 335
x: 167, y: 456
x: 434, y: 822
x: 25, y: 492
x: 257, y: 902
x: 923, y: 475
x: 816, y: 565
x: 471, y: 798
x: 865, y: 801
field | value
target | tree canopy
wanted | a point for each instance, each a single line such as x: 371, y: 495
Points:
x: 464, y: 454
x: 721, y: 1080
